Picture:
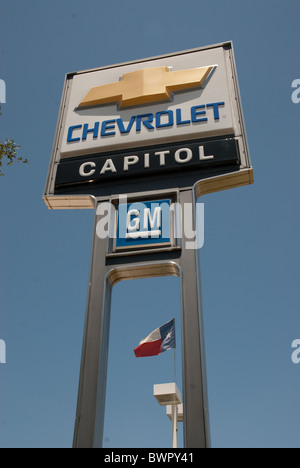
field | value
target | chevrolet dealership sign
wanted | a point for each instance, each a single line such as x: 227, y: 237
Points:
x: 171, y: 115
x: 139, y: 143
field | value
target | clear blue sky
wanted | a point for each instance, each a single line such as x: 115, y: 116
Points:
x: 250, y: 259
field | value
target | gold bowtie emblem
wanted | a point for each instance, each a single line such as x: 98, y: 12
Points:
x: 146, y: 86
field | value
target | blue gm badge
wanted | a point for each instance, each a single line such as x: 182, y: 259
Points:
x: 144, y: 224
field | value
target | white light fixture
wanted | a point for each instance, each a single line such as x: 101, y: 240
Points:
x: 179, y: 412
x: 167, y: 394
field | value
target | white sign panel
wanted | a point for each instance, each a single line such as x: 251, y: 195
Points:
x: 175, y: 117
x: 190, y: 110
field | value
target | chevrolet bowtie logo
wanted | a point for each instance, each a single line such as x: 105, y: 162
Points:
x: 146, y: 86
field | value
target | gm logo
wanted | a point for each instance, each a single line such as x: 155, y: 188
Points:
x: 2, y: 92
x: 144, y: 224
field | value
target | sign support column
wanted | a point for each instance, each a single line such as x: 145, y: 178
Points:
x: 105, y: 272
x: 92, y: 382
x: 196, y: 424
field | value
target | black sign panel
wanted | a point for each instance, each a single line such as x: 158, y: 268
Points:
x: 179, y: 157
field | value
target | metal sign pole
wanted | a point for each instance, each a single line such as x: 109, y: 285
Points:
x: 105, y: 273
x: 196, y: 424
x: 92, y: 382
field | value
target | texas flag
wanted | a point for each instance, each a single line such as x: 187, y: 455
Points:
x: 160, y: 340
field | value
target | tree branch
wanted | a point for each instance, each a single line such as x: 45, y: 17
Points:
x: 8, y: 152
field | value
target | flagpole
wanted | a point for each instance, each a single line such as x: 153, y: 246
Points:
x: 174, y: 426
x: 174, y: 408
x: 175, y: 365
